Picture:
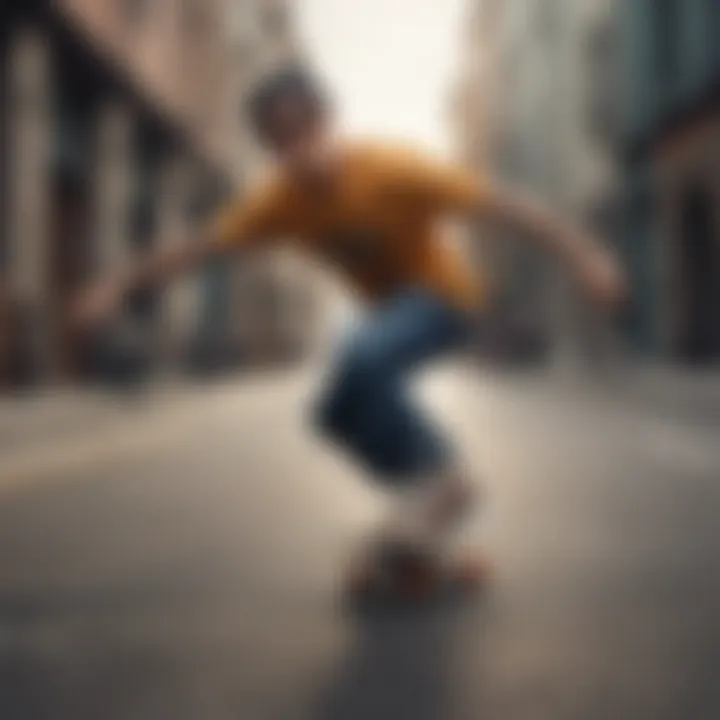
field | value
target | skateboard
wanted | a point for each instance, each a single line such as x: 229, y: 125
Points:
x: 411, y: 576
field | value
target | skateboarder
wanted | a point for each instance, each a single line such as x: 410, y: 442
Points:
x: 373, y: 213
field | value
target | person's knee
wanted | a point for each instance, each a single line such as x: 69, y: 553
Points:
x: 358, y: 378
x: 364, y: 369
x: 324, y: 415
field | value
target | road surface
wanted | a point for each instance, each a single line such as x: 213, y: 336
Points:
x: 181, y: 561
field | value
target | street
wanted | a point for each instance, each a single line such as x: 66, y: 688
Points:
x: 182, y: 561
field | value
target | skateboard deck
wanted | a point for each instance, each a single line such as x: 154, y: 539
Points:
x: 415, y: 578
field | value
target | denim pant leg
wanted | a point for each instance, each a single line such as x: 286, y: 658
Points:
x: 367, y: 406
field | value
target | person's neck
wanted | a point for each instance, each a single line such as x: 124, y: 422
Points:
x: 325, y: 174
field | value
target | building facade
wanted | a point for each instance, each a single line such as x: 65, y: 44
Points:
x: 105, y: 150
x: 121, y: 129
x: 260, y: 309
x: 537, y: 95
x: 671, y: 137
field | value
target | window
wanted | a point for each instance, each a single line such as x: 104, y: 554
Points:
x: 600, y: 86
x: 4, y: 172
x: 546, y: 20
x: 714, y: 26
x: 275, y: 20
x: 196, y: 20
x: 668, y: 18
x: 245, y: 54
x: 243, y: 20
x: 603, y: 216
x: 134, y: 11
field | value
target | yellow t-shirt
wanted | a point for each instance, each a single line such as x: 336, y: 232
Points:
x: 377, y: 224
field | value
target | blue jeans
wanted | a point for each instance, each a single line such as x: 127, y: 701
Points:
x: 366, y: 406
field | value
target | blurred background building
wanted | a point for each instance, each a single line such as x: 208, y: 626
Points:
x: 671, y: 146
x: 121, y: 125
x: 610, y: 111
x: 262, y: 309
x: 536, y: 105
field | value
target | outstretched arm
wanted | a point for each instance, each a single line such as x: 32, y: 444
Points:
x: 442, y: 188
x: 252, y: 220
x: 103, y: 297
x: 591, y: 262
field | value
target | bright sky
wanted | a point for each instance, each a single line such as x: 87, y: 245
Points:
x: 389, y: 62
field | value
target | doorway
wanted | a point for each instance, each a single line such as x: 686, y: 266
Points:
x: 68, y: 266
x: 699, y: 340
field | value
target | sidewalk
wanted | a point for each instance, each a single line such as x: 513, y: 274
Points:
x: 685, y: 394
x: 51, y: 417
x: 31, y: 419
x: 688, y: 394
x: 54, y: 416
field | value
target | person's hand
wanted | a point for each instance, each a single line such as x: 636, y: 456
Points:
x: 602, y: 278
x: 95, y: 305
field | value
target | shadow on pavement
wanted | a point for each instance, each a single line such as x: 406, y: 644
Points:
x: 402, y: 661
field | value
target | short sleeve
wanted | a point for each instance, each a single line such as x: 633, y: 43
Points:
x: 439, y: 186
x: 250, y: 220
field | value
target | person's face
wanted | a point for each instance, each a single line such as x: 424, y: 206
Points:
x: 300, y: 137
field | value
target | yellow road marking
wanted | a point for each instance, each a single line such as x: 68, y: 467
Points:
x: 119, y: 441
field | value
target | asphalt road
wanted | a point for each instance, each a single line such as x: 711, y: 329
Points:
x: 182, y: 562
